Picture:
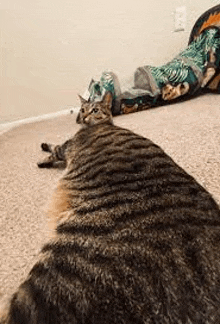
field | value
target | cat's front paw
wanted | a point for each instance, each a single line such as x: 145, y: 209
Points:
x: 45, y: 147
x: 44, y: 164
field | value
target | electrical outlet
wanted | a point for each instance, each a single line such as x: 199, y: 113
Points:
x: 180, y: 19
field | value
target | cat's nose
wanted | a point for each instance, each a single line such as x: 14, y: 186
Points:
x: 86, y: 120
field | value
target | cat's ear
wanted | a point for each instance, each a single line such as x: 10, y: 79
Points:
x: 107, y: 100
x: 83, y: 101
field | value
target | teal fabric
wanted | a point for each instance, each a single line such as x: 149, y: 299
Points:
x: 97, y: 89
x: 148, y: 81
x: 196, y: 54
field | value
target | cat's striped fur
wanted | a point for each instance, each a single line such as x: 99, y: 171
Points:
x: 137, y: 239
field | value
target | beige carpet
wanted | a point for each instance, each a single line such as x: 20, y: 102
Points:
x: 189, y: 132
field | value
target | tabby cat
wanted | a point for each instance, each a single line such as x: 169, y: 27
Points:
x: 137, y: 239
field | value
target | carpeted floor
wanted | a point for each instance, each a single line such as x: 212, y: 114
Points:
x: 189, y: 132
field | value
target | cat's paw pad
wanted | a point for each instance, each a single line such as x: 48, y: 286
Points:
x: 45, y: 147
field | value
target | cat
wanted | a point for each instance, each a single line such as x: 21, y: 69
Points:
x: 136, y: 239
x: 91, y: 113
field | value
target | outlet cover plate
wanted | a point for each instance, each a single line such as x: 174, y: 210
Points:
x: 180, y: 19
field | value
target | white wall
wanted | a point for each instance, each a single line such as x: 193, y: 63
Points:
x: 50, y: 49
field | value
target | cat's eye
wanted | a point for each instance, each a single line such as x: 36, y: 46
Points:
x: 95, y: 110
x: 82, y: 110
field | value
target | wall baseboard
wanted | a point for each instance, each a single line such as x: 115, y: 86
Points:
x: 5, y: 127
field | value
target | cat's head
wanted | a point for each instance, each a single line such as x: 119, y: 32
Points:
x: 92, y: 113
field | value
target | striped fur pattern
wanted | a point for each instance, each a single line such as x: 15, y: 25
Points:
x: 137, y: 240
x: 91, y: 113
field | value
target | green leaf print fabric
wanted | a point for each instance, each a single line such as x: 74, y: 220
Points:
x: 152, y: 86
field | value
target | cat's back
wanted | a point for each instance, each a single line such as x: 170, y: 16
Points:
x: 112, y: 146
x: 110, y: 163
x: 145, y: 232
x: 137, y: 240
